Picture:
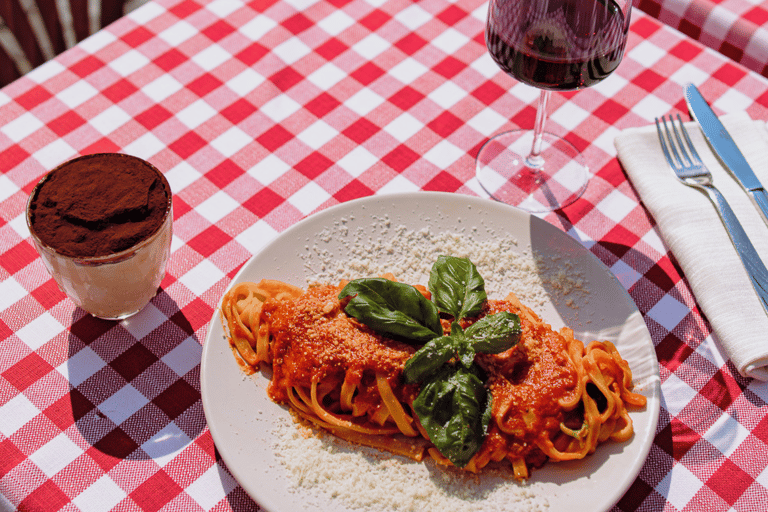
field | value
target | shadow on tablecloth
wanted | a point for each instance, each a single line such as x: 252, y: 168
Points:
x: 135, y: 384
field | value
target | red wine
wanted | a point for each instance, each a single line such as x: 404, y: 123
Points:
x: 556, y: 44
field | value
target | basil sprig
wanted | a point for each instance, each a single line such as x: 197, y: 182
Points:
x: 453, y: 404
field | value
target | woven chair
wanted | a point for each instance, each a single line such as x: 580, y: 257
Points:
x: 34, y: 31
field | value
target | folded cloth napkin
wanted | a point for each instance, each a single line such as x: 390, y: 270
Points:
x: 692, y: 229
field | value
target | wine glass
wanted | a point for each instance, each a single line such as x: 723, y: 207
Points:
x: 553, y: 45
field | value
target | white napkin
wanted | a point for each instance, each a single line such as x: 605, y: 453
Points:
x: 692, y: 229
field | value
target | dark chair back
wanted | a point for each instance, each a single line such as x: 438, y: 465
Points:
x: 30, y: 38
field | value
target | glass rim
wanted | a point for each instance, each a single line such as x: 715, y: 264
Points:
x: 115, y: 257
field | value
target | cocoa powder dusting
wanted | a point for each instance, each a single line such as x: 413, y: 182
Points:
x: 98, y: 205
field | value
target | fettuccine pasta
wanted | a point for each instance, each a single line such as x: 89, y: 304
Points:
x: 553, y: 397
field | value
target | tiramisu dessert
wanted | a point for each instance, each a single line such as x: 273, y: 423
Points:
x: 102, y: 225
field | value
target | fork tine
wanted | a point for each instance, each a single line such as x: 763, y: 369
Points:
x: 669, y: 146
x: 680, y: 143
x: 685, y: 149
x: 664, y: 148
x: 691, y: 147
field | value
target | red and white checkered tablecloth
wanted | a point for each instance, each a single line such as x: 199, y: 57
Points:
x: 260, y: 113
x: 736, y: 28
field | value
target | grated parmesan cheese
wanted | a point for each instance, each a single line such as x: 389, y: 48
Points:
x: 409, y: 255
x: 368, y: 480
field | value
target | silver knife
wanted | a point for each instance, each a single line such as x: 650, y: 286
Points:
x: 726, y: 148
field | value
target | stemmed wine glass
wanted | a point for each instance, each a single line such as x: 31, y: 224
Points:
x: 553, y: 45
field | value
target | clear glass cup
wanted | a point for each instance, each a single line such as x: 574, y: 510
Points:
x: 116, y: 285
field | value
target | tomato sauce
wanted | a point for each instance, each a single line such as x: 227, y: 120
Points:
x: 314, y: 340
x: 528, y: 381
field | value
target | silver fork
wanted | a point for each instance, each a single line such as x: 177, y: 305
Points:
x: 690, y: 170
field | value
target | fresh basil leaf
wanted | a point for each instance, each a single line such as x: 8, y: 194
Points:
x: 485, y: 420
x: 466, y: 353
x: 437, y: 352
x: 453, y: 408
x: 429, y: 359
x: 392, y: 308
x: 494, y: 333
x: 457, y: 287
x: 464, y: 349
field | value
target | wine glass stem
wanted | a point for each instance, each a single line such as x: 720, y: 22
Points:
x: 534, y: 159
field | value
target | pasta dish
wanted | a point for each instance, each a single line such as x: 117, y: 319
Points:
x: 439, y: 371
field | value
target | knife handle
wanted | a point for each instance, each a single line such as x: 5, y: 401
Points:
x: 754, y: 266
x: 760, y: 197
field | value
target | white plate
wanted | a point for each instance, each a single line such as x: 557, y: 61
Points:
x: 242, y: 419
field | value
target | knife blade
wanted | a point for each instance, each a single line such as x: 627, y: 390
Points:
x: 726, y: 149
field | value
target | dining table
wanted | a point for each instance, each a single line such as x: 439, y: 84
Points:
x: 264, y: 113
x: 736, y: 28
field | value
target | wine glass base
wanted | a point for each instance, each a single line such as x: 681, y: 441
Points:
x: 553, y: 181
